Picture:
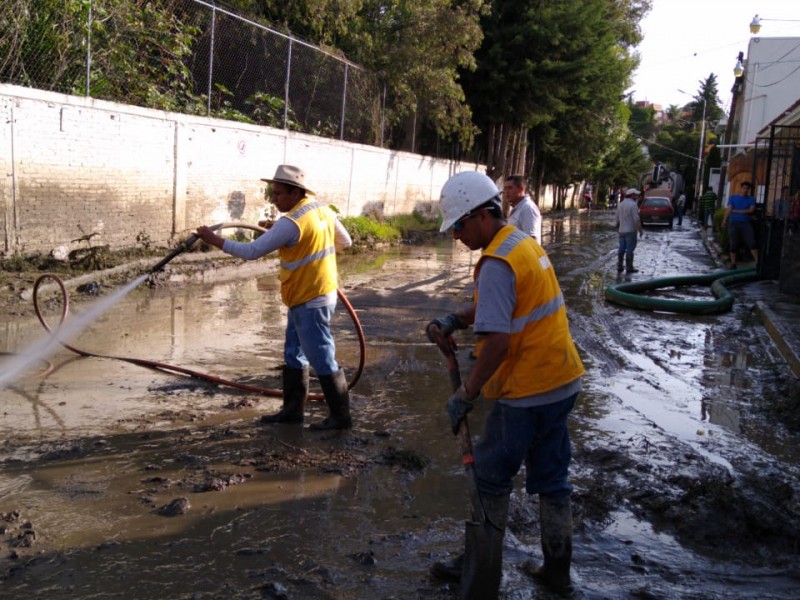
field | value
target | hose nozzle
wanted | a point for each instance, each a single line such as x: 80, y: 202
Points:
x: 179, y: 249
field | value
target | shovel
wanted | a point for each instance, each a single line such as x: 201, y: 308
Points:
x: 483, y: 556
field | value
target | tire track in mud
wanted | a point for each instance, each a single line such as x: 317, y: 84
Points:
x: 645, y: 444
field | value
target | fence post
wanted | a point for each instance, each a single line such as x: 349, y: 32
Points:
x: 211, y: 56
x: 344, y: 102
x: 286, y: 89
x: 88, y: 48
x: 383, y: 112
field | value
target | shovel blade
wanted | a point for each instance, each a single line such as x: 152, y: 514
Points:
x: 483, y: 562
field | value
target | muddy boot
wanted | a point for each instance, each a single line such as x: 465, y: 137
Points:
x: 555, y: 521
x: 337, y: 398
x: 295, y: 392
x: 620, y: 256
x: 483, y: 552
x: 449, y: 570
x: 629, y: 264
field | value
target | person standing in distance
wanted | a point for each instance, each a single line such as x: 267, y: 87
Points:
x: 529, y: 371
x: 680, y: 206
x: 525, y: 215
x: 740, y: 228
x: 306, y: 237
x: 708, y: 203
x: 628, y: 224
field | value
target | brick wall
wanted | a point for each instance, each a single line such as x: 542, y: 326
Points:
x: 73, y: 166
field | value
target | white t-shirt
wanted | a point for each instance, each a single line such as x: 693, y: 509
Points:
x: 526, y: 217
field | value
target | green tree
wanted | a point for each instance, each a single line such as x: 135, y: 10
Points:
x: 549, y: 83
x: 41, y: 43
x: 416, y: 47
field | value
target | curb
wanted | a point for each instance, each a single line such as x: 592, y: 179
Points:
x: 780, y: 335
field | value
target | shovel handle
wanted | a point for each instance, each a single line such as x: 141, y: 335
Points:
x: 447, y: 347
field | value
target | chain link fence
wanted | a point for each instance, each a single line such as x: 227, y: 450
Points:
x: 188, y: 56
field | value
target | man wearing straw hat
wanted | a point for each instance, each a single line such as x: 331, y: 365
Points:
x: 307, y: 238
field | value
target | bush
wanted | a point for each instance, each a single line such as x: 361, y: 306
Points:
x: 369, y: 230
x: 364, y: 229
x: 719, y: 231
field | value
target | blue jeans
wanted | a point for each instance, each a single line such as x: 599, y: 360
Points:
x: 309, y: 339
x: 538, y: 435
x: 627, y: 243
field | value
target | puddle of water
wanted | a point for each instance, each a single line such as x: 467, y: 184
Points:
x: 653, y: 381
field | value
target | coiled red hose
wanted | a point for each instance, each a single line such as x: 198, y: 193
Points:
x: 190, y: 372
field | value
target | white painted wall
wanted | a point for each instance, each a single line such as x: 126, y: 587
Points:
x: 772, y: 83
x: 73, y: 166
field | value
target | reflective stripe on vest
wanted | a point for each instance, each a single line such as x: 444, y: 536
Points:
x: 308, y: 269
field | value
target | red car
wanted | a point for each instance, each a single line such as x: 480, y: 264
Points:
x: 656, y: 210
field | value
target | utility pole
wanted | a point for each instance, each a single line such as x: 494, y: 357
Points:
x: 723, y: 172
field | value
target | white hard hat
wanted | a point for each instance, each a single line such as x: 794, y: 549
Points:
x: 464, y: 192
x: 632, y: 192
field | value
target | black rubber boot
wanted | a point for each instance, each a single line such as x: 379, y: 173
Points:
x: 337, y: 398
x: 555, y: 521
x: 629, y: 264
x: 295, y: 392
x: 449, y: 570
x: 480, y: 568
x: 620, y: 256
x: 483, y: 552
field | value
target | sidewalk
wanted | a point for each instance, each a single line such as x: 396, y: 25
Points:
x: 780, y: 312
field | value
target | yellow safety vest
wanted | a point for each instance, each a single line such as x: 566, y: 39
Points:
x: 541, y: 355
x: 308, y: 269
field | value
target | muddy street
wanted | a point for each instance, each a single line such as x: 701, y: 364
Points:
x: 118, y: 481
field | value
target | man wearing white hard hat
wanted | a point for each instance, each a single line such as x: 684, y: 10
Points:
x: 306, y: 238
x: 628, y: 224
x: 529, y: 372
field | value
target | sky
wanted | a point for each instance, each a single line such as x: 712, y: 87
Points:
x: 686, y: 40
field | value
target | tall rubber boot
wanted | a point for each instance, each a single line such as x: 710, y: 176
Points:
x: 337, y: 398
x: 629, y: 264
x: 483, y: 552
x: 295, y: 392
x: 479, y: 568
x: 620, y: 256
x: 555, y: 521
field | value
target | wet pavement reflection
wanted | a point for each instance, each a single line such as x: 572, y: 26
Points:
x: 91, y: 451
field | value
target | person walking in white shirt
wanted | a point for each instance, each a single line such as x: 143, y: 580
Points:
x: 525, y: 215
x: 628, y: 223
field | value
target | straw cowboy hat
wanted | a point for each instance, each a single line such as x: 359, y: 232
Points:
x: 289, y: 175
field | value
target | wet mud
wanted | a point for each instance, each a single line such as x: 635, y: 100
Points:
x: 120, y: 481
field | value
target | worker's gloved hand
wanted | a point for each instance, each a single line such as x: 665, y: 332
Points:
x: 447, y: 325
x: 457, y: 407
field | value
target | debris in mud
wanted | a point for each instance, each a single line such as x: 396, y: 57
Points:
x: 178, y: 506
x: 364, y: 558
x: 409, y: 460
x: 70, y: 452
x: 217, y: 482
x: 274, y: 591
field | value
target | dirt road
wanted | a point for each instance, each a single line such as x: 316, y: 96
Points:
x: 118, y: 481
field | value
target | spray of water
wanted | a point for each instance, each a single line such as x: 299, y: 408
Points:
x: 48, y: 344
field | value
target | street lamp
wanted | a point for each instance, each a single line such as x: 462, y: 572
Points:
x: 755, y: 24
x: 698, y: 182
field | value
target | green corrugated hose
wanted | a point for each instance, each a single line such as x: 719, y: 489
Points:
x: 628, y: 294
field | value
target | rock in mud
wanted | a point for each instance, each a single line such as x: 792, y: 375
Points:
x: 179, y: 506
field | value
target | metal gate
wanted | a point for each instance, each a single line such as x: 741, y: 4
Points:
x: 779, y: 207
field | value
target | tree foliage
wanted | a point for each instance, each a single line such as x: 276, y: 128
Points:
x: 676, y: 142
x: 549, y: 84
x: 415, y: 46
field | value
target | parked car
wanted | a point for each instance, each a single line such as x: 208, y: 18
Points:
x: 656, y: 210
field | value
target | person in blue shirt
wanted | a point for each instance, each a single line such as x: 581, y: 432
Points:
x: 740, y: 229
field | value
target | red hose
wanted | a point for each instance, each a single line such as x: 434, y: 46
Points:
x: 181, y: 370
